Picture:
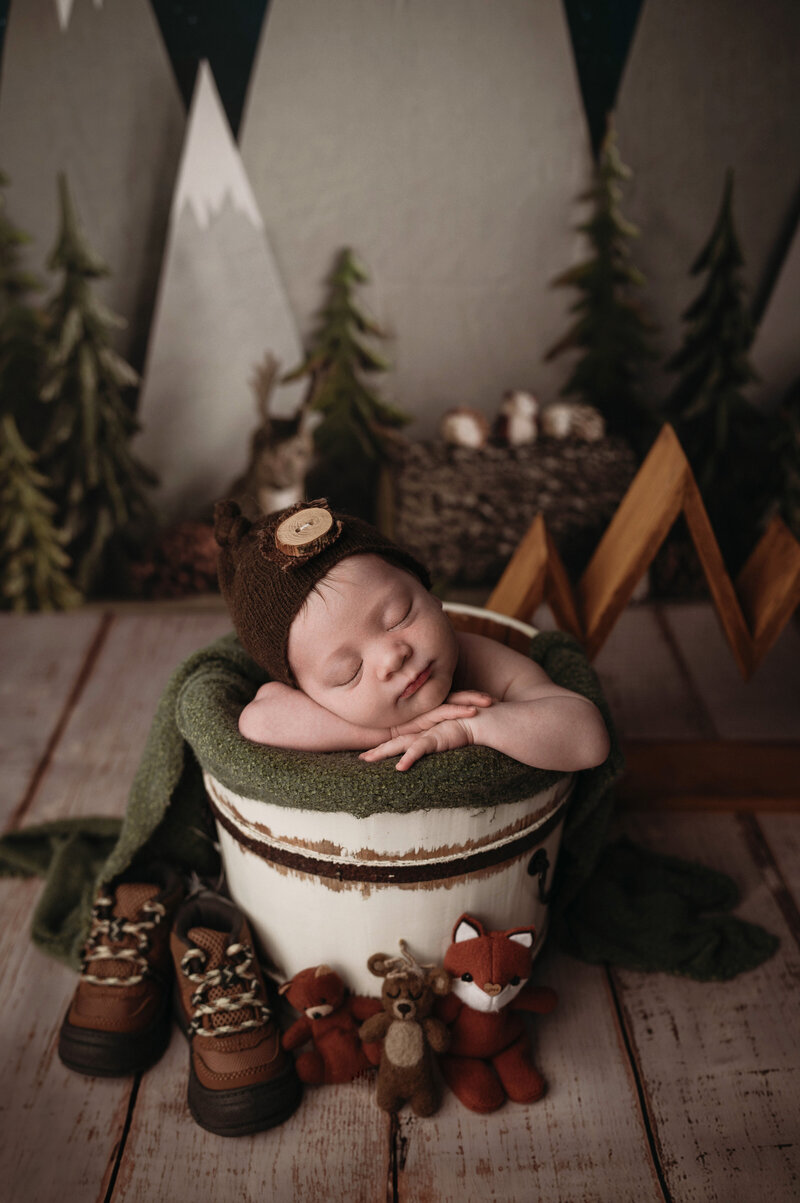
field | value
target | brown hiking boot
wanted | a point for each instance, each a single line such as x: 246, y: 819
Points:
x: 240, y: 1079
x: 119, y: 1020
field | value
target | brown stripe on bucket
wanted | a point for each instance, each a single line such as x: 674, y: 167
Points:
x: 399, y: 874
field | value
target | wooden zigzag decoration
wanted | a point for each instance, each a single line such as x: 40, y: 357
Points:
x: 753, y: 612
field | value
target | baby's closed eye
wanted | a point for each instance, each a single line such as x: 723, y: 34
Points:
x: 348, y: 675
x: 398, y: 615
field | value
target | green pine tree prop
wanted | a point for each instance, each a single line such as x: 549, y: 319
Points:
x: 725, y: 438
x: 353, y: 436
x: 33, y: 563
x: 99, y: 484
x: 32, y: 559
x: 21, y: 329
x: 609, y: 328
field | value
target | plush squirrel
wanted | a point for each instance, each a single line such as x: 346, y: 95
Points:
x: 408, y: 1031
x: 489, y: 1059
x: 330, y: 1018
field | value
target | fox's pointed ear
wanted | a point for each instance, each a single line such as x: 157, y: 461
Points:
x: 467, y: 928
x: 321, y: 970
x: 522, y: 935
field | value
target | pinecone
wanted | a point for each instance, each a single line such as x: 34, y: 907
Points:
x: 181, y: 563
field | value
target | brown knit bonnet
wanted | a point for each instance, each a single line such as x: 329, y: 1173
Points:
x: 267, y: 569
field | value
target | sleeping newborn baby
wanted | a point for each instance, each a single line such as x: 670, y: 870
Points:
x: 362, y: 656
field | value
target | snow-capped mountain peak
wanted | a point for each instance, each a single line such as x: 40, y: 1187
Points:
x: 211, y: 169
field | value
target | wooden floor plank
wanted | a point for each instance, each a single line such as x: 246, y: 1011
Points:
x: 336, y: 1146
x: 782, y: 833
x: 584, y: 1140
x: 61, y: 1130
x: 719, y: 1060
x: 97, y: 755
x: 768, y: 705
x: 42, y: 656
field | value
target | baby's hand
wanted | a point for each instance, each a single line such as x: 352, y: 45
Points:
x: 452, y: 733
x: 461, y: 704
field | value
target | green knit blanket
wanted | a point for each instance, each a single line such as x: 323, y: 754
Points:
x: 619, y: 904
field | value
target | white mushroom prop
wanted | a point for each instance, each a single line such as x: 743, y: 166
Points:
x: 517, y: 421
x: 462, y: 427
x: 563, y: 419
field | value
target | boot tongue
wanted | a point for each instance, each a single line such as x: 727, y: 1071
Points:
x: 130, y: 897
x: 214, y: 944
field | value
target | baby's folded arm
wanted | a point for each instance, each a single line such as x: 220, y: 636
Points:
x: 287, y: 718
x: 535, y: 721
x: 561, y: 731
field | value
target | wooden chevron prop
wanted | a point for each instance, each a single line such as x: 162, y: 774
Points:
x: 752, y: 611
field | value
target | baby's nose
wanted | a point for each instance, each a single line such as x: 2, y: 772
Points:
x: 393, y: 657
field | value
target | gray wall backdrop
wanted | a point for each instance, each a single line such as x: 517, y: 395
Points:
x: 97, y: 99
x: 445, y: 140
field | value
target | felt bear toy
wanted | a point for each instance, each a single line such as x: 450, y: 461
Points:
x: 489, y: 1058
x: 330, y: 1018
x: 408, y: 1030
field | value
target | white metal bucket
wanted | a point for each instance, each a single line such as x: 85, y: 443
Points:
x: 330, y: 887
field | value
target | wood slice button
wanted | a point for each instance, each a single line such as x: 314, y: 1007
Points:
x: 304, y: 533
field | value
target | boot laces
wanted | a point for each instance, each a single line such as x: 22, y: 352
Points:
x: 109, y: 931
x: 230, y: 977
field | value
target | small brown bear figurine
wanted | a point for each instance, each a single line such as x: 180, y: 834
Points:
x: 409, y: 1033
x: 330, y: 1017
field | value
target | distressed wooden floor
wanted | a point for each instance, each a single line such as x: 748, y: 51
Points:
x: 659, y: 1088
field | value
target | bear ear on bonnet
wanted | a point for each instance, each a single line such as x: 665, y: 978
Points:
x: 230, y: 524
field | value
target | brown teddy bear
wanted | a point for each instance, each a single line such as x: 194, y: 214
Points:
x: 408, y: 1031
x: 330, y: 1015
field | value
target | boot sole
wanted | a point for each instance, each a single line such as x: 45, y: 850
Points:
x: 99, y: 1054
x: 246, y: 1110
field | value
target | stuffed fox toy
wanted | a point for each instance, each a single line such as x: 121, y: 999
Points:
x: 489, y: 1059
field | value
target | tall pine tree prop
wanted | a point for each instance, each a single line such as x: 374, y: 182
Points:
x: 99, y: 485
x: 32, y: 559
x: 353, y: 438
x: 725, y: 438
x: 609, y: 329
x: 21, y: 330
x: 33, y: 563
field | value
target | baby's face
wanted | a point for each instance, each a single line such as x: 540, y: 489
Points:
x: 372, y: 645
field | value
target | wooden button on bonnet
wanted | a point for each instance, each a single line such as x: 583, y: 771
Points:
x: 306, y: 532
